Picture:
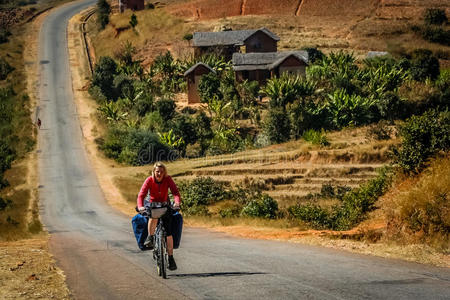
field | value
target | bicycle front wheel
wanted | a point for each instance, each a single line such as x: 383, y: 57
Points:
x: 162, y: 270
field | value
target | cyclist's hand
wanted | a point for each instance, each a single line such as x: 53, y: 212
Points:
x: 141, y: 209
x: 176, y: 206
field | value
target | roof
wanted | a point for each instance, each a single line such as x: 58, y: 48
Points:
x: 191, y: 69
x: 372, y: 54
x: 265, y: 61
x: 224, y: 38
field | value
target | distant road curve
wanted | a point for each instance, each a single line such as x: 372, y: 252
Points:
x: 94, y: 245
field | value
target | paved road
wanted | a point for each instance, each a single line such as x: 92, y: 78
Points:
x: 95, y: 247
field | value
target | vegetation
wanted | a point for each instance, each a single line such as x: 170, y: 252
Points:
x: 420, y: 213
x: 423, y: 137
x: 103, y: 10
x: 133, y: 21
x: 434, y: 27
x: 353, y: 208
x: 5, y: 68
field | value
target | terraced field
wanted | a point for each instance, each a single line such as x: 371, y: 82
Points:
x: 290, y: 171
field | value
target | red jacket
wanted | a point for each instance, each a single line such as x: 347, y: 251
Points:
x: 158, y: 190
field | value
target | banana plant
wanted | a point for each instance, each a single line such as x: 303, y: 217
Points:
x: 345, y: 110
x: 111, y: 112
x: 171, y: 140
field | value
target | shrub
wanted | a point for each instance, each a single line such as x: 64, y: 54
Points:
x: 134, y: 146
x: 199, y: 193
x: 144, y: 104
x: 5, y: 203
x: 422, y: 137
x: 184, y: 126
x: 314, y: 54
x: 436, y: 34
x: 5, y: 68
x: 424, y: 65
x: 435, y: 16
x: 355, y: 204
x: 104, y: 72
x: 208, y: 87
x: 103, y: 10
x: 312, y: 214
x: 263, y: 206
x: 316, y: 137
x: 166, y: 108
x: 133, y: 21
x: 277, y: 125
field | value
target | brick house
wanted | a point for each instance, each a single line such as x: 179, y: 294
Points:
x: 131, y: 4
x: 228, y: 42
x: 262, y: 66
x: 193, y: 76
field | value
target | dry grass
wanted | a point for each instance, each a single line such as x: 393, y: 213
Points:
x: 156, y: 32
x: 418, y: 210
x: 28, y: 271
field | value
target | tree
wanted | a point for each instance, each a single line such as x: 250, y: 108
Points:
x: 104, y: 72
x: 103, y: 10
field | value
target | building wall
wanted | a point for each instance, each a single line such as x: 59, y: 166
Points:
x: 260, y: 42
x: 131, y: 4
x: 193, y: 80
x: 292, y: 65
x: 261, y: 76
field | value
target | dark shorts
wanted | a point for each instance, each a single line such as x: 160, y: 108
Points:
x: 167, y: 221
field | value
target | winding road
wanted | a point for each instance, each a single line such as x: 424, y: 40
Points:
x: 95, y: 247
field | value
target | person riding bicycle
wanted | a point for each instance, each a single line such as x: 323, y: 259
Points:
x: 158, y: 186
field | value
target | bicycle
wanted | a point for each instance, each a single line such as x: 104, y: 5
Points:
x: 160, y: 253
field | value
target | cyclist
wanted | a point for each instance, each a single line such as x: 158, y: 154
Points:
x: 158, y: 186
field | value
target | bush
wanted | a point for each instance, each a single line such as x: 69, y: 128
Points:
x: 184, y: 126
x: 134, y: 146
x: 104, y: 73
x: 435, y: 16
x: 313, y: 214
x: 199, y: 193
x: 103, y: 10
x: 145, y: 104
x: 314, y: 54
x: 316, y: 137
x: 166, y: 108
x: 422, y: 137
x: 208, y: 87
x: 355, y: 204
x: 380, y: 131
x: 424, y: 65
x: 286, y: 89
x: 263, y: 206
x: 5, y: 68
x: 436, y: 34
x: 277, y: 125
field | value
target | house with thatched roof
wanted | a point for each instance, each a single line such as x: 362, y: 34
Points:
x: 226, y: 43
x: 193, y: 76
x: 262, y: 66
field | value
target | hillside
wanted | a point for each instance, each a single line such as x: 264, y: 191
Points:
x: 352, y: 25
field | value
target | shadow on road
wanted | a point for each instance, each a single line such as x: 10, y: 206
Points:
x: 217, y: 274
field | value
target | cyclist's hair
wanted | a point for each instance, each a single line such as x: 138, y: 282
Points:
x: 159, y: 164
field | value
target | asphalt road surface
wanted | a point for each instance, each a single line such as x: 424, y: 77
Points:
x: 95, y: 247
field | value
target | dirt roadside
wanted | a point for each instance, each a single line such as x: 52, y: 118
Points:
x: 108, y: 173
x: 27, y: 269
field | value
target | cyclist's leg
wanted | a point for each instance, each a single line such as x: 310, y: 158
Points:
x: 168, y: 227
x: 152, y: 226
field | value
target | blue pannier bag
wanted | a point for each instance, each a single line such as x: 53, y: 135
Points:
x: 140, y: 229
x: 177, y: 228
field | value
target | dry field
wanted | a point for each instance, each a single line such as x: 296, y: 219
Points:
x: 351, y: 25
